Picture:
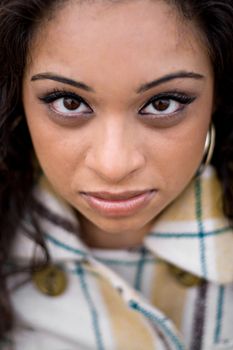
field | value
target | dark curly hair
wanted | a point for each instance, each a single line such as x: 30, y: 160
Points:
x: 19, y: 20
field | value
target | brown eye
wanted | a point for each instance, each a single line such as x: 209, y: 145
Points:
x: 71, y: 104
x: 166, y: 104
x: 161, y: 105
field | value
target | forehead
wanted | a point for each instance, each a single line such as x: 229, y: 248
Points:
x: 99, y: 39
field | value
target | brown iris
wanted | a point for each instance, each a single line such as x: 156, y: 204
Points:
x: 161, y: 105
x: 71, y: 104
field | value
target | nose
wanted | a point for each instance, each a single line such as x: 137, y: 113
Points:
x: 115, y: 153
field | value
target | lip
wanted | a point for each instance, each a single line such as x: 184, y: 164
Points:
x: 118, y: 204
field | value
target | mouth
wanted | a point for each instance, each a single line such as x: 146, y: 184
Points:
x: 118, y: 204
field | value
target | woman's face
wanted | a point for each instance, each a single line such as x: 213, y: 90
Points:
x: 118, y: 98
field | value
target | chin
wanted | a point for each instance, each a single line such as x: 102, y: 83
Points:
x: 121, y: 226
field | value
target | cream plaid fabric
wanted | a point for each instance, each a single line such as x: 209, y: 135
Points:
x: 193, y: 232
x: 128, y: 299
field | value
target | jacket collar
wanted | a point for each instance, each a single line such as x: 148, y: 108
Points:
x: 192, y: 233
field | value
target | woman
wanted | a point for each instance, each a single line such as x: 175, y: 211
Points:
x: 115, y: 234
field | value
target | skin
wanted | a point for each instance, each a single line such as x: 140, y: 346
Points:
x: 114, y: 49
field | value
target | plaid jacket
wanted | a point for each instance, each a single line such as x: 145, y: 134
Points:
x: 131, y: 299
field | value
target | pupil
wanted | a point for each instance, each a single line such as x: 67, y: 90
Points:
x: 71, y: 104
x: 161, y: 105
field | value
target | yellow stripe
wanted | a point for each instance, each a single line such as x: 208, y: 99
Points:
x: 131, y: 331
x: 211, y: 209
x: 168, y: 295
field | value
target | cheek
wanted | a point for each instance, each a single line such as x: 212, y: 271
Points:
x: 177, y: 152
x: 59, y: 152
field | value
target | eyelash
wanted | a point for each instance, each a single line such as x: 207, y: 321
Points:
x: 51, y: 97
x: 177, y: 96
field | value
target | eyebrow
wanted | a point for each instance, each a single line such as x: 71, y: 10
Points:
x: 141, y: 89
x: 167, y: 78
x: 61, y: 79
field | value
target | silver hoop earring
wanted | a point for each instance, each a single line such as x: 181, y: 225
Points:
x: 208, y: 149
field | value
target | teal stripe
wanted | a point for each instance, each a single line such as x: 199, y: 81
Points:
x: 140, y: 268
x: 93, y: 310
x: 198, y: 193
x: 190, y: 234
x: 148, y: 260
x: 219, y: 314
x: 65, y: 246
x: 159, y: 321
x: 84, y: 254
